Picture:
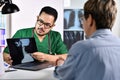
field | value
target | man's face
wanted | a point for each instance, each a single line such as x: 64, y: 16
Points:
x: 44, y: 24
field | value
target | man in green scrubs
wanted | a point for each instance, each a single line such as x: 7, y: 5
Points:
x: 49, y: 43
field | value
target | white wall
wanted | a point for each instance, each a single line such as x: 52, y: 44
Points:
x: 77, y: 3
x: 29, y: 9
x: 116, y: 28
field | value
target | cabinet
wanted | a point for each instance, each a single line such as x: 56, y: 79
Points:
x: 73, y: 28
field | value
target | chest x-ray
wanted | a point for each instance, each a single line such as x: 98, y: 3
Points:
x: 72, y: 19
x: 73, y: 28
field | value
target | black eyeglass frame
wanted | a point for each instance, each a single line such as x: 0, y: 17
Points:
x: 40, y: 22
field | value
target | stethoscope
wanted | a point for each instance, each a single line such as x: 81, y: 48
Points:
x: 49, y: 41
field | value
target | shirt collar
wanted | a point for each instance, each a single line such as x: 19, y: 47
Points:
x: 101, y: 32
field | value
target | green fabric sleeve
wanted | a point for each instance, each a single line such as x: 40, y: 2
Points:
x: 58, y: 45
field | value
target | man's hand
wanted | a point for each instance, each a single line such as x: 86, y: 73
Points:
x: 50, y: 58
x: 39, y: 56
x: 45, y: 57
x: 7, y: 58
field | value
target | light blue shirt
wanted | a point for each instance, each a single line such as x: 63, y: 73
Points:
x: 97, y: 58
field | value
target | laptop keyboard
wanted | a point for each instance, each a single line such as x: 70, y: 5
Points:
x: 29, y: 64
x: 33, y: 66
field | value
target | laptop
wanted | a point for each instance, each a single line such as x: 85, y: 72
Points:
x: 20, y: 51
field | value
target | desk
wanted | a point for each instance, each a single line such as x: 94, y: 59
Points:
x: 45, y: 74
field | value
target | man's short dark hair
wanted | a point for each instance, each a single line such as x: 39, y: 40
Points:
x: 49, y: 10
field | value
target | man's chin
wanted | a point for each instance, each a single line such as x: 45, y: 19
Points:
x: 40, y: 34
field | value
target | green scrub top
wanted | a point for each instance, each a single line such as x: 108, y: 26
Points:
x: 57, y: 45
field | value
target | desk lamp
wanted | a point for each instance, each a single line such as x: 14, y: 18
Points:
x: 8, y: 7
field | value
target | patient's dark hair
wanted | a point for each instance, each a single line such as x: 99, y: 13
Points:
x: 102, y: 11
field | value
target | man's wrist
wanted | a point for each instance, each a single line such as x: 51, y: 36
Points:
x: 46, y: 57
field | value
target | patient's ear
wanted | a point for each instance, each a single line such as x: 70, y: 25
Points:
x: 90, y: 20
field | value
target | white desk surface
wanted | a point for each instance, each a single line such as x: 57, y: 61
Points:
x: 45, y: 74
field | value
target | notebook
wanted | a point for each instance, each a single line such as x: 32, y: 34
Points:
x: 20, y: 51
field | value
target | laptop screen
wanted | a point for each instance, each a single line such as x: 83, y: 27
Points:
x: 21, y: 48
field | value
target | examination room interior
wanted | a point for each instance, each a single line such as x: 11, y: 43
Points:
x: 29, y: 10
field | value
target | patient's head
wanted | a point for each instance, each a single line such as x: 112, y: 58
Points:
x: 102, y: 11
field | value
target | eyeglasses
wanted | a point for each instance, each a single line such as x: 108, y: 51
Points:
x: 40, y: 22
